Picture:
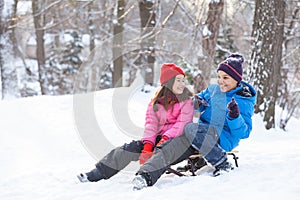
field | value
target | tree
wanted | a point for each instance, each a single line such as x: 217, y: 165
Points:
x: 209, y: 38
x: 91, y: 25
x: 1, y: 46
x: 61, y: 66
x: 9, y: 79
x: 39, y: 23
x: 289, y: 90
x: 12, y: 27
x: 117, y: 45
x: 266, y: 56
x: 148, y: 21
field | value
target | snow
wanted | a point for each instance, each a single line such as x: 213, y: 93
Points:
x: 23, y: 7
x: 236, y: 59
x: 42, y: 151
x: 47, y: 37
x: 86, y: 39
x: 206, y: 32
x: 7, y: 8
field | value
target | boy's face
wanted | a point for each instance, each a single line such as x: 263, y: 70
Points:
x: 226, y: 82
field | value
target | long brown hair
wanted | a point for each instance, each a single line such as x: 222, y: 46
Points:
x: 166, y: 97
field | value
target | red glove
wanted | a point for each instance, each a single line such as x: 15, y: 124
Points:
x: 146, y: 153
x: 162, y: 140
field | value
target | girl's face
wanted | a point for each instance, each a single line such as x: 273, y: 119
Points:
x: 226, y: 82
x: 179, y: 84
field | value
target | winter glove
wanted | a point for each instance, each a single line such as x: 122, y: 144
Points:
x: 162, y: 140
x: 146, y: 153
x: 198, y: 101
x: 233, y: 109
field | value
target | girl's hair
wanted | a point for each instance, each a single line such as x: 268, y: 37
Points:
x: 166, y: 97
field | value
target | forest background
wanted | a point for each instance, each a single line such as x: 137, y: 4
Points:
x: 58, y: 47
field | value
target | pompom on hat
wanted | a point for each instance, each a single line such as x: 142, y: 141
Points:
x: 233, y: 66
x: 168, y: 71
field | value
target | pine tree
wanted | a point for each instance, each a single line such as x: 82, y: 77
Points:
x: 63, y: 63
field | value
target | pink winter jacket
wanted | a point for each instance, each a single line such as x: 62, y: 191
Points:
x: 167, y: 122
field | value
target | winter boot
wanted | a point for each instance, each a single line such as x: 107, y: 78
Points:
x: 92, y: 176
x: 139, y: 182
x: 193, y: 165
x: 223, y: 167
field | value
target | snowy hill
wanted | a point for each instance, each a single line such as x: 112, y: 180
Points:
x: 43, y: 148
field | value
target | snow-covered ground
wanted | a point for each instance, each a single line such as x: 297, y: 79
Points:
x: 43, y: 148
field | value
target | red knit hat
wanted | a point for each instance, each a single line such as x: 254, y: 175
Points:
x: 168, y: 71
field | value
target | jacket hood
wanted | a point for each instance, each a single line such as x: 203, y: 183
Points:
x: 245, y: 91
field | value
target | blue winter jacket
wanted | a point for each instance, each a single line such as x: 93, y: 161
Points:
x: 230, y: 131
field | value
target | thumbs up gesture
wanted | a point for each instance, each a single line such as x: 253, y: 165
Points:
x: 233, y: 109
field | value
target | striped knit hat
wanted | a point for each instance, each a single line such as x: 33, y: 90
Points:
x: 233, y: 66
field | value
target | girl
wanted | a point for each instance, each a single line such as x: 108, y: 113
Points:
x: 226, y: 111
x: 167, y: 114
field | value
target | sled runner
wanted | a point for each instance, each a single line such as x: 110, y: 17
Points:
x: 196, y: 162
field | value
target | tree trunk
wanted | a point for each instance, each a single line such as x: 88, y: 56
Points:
x: 118, y: 45
x: 209, y: 38
x: 13, y: 26
x: 38, y: 19
x: 287, y: 96
x: 1, y: 47
x: 9, y: 78
x: 91, y: 26
x: 266, y: 55
x: 148, y: 21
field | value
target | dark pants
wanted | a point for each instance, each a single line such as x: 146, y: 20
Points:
x: 118, y: 159
x: 205, y: 139
x: 170, y: 153
x: 197, y: 137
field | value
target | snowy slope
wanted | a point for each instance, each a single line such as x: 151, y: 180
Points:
x: 42, y: 150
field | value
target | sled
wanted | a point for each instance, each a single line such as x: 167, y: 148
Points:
x: 192, y: 165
